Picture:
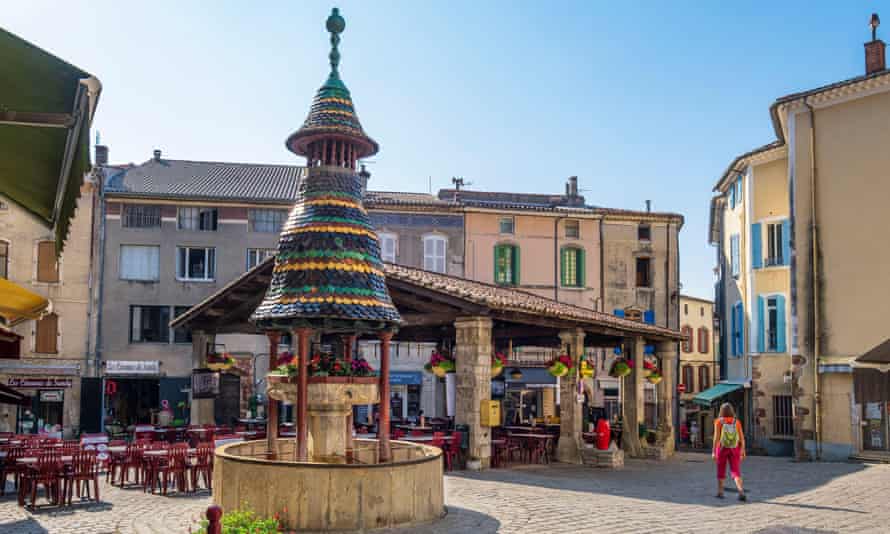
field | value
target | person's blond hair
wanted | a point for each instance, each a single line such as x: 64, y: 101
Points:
x: 726, y: 410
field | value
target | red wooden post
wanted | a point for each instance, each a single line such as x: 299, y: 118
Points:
x: 383, y: 424
x: 214, y: 518
x: 348, y: 343
x: 302, y: 451
x: 271, y: 404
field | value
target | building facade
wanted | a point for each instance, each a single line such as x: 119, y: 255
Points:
x: 698, y: 365
x: 802, y: 291
x: 49, y: 356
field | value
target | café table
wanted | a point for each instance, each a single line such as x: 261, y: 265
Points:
x: 497, y: 446
x: 535, y: 437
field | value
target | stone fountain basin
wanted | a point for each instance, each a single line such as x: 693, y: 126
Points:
x: 327, y: 390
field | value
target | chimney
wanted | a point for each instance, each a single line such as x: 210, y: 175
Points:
x: 364, y: 176
x: 573, y: 186
x: 157, y: 154
x: 101, y: 155
x: 648, y: 206
x: 875, y: 60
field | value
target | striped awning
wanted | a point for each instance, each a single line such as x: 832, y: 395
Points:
x: 18, y: 304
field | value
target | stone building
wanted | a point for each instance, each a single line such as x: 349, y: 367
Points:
x: 698, y: 363
x: 803, y: 292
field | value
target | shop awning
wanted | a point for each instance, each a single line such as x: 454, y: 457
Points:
x: 708, y: 397
x: 11, y: 396
x: 18, y: 304
x: 531, y: 376
x: 46, y: 107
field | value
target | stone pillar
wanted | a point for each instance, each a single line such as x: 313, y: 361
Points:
x: 348, y: 344
x: 302, y: 449
x: 667, y: 354
x: 201, y: 409
x: 473, y: 354
x: 272, y: 404
x: 632, y: 407
x: 570, y: 410
x: 383, y: 422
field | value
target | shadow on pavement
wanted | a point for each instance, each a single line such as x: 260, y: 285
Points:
x: 456, y: 519
x: 25, y: 526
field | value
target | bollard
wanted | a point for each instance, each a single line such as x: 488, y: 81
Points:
x: 214, y: 518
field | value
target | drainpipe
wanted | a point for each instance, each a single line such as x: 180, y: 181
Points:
x: 814, y: 236
x: 602, y: 271
x: 97, y: 349
x: 556, y: 257
x: 667, y: 278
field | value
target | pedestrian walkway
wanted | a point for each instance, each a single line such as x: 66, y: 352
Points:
x: 673, y: 496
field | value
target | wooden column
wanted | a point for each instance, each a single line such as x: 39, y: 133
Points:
x: 271, y: 404
x: 302, y: 450
x: 383, y: 424
x: 348, y: 344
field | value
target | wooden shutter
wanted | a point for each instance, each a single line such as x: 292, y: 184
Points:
x: 582, y: 270
x: 563, y: 262
x: 762, y: 323
x: 46, y: 334
x: 786, y: 242
x: 756, y: 246
x: 498, y: 254
x: 47, y: 266
x: 516, y: 262
x: 780, y: 324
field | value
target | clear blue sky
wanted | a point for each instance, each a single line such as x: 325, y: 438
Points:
x: 647, y: 100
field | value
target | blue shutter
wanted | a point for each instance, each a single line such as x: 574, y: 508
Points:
x: 741, y: 329
x: 648, y: 349
x: 780, y: 324
x: 618, y: 351
x: 732, y: 197
x: 756, y: 246
x: 619, y: 312
x: 786, y: 242
x: 738, y: 193
x: 649, y: 316
x: 761, y: 323
x: 733, y: 331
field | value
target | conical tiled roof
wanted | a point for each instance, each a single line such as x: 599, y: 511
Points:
x: 328, y: 273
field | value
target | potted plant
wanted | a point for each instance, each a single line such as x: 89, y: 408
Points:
x: 220, y: 361
x: 474, y: 464
x: 621, y: 368
x: 649, y: 367
x: 440, y: 364
x: 561, y: 365
x: 498, y: 361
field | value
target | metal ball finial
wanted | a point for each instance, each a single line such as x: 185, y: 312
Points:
x: 874, y: 23
x: 335, y: 23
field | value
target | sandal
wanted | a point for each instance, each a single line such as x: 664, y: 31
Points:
x: 719, y: 496
x: 743, y: 497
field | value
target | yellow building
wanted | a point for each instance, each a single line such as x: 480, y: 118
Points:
x: 803, y: 288
x: 698, y: 365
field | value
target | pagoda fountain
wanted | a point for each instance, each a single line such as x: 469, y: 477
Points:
x: 328, y: 288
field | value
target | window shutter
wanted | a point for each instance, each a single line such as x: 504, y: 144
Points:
x: 47, y: 331
x: 732, y: 197
x: 780, y: 323
x: 618, y: 313
x: 786, y: 242
x: 649, y: 316
x: 563, y: 260
x: 741, y: 329
x: 733, y: 331
x: 738, y: 192
x: 47, y: 266
x: 756, y: 246
x: 582, y: 270
x: 516, y: 262
x: 761, y: 323
x: 498, y: 254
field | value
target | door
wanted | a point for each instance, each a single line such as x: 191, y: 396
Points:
x: 90, y: 404
x: 227, y: 408
x: 171, y: 391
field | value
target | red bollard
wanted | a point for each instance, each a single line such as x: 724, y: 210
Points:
x: 214, y: 518
x: 603, y: 434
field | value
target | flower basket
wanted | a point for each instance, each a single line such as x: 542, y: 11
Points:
x: 438, y: 371
x: 558, y: 369
x: 587, y: 370
x: 279, y: 378
x: 496, y: 369
x: 439, y: 364
x: 498, y: 361
x: 620, y: 368
x: 654, y: 377
x: 220, y: 362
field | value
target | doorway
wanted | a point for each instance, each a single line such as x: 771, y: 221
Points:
x: 130, y: 401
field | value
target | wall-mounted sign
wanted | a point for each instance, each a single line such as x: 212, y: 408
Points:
x: 139, y: 367
x: 39, y: 383
x: 52, y: 396
x: 205, y: 384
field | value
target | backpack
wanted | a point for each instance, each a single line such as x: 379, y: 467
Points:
x: 729, y: 435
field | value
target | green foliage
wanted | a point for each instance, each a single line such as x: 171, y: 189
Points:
x: 244, y: 522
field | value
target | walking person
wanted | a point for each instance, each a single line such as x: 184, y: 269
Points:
x: 729, y: 447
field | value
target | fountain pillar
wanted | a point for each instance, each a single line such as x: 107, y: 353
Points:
x: 272, y: 404
x: 383, y: 424
x: 348, y: 344
x: 302, y: 449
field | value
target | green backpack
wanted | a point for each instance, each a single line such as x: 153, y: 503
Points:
x: 729, y: 435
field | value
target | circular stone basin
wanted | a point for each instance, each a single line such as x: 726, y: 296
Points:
x: 330, y: 497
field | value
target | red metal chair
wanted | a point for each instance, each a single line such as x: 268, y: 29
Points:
x: 453, y: 448
x: 416, y: 433
x: 203, y: 466
x: 48, y: 473
x: 84, y: 469
x: 10, y: 466
x: 132, y: 461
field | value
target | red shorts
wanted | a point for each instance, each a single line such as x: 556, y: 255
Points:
x: 734, y: 457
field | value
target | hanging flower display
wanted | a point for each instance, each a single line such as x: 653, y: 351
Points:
x: 361, y: 367
x: 587, y: 370
x: 220, y: 362
x: 498, y: 361
x: 654, y: 377
x: 561, y: 365
x: 439, y: 364
x: 321, y: 365
x: 621, y: 368
x: 649, y: 367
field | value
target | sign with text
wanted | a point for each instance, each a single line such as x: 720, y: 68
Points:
x: 39, y: 383
x: 138, y: 367
x: 52, y: 396
x: 205, y: 384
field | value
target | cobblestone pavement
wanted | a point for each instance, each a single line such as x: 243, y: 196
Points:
x: 651, y: 497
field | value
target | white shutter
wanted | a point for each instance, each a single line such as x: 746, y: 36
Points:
x: 140, y: 262
x: 440, y: 255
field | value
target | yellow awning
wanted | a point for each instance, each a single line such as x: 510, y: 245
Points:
x: 18, y: 304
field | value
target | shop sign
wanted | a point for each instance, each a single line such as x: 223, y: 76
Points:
x: 39, y: 383
x: 139, y: 367
x: 51, y: 396
x: 681, y: 388
x: 205, y: 384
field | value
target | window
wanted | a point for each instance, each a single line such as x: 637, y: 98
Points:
x: 434, y: 247
x: 735, y: 193
x: 703, y: 340
x: 4, y: 259
x: 783, y: 416
x: 702, y: 311
x: 195, y: 263
x: 573, y: 229
x: 506, y: 225
x: 704, y: 377
x: 149, y: 324
x: 572, y: 267
x: 686, y: 309
x: 771, y: 336
x: 687, y: 339
x: 47, y: 266
x: 735, y: 269
x: 644, y: 232
x: 46, y: 334
x: 506, y: 265
x: 689, y: 378
x: 266, y: 220
x: 200, y: 219
x: 141, y: 216
x: 181, y: 335
x: 774, y: 244
x: 644, y: 275
x: 388, y: 247
x: 256, y: 256
x: 140, y: 262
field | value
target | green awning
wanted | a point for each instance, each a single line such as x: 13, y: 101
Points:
x: 708, y: 397
x: 46, y: 107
